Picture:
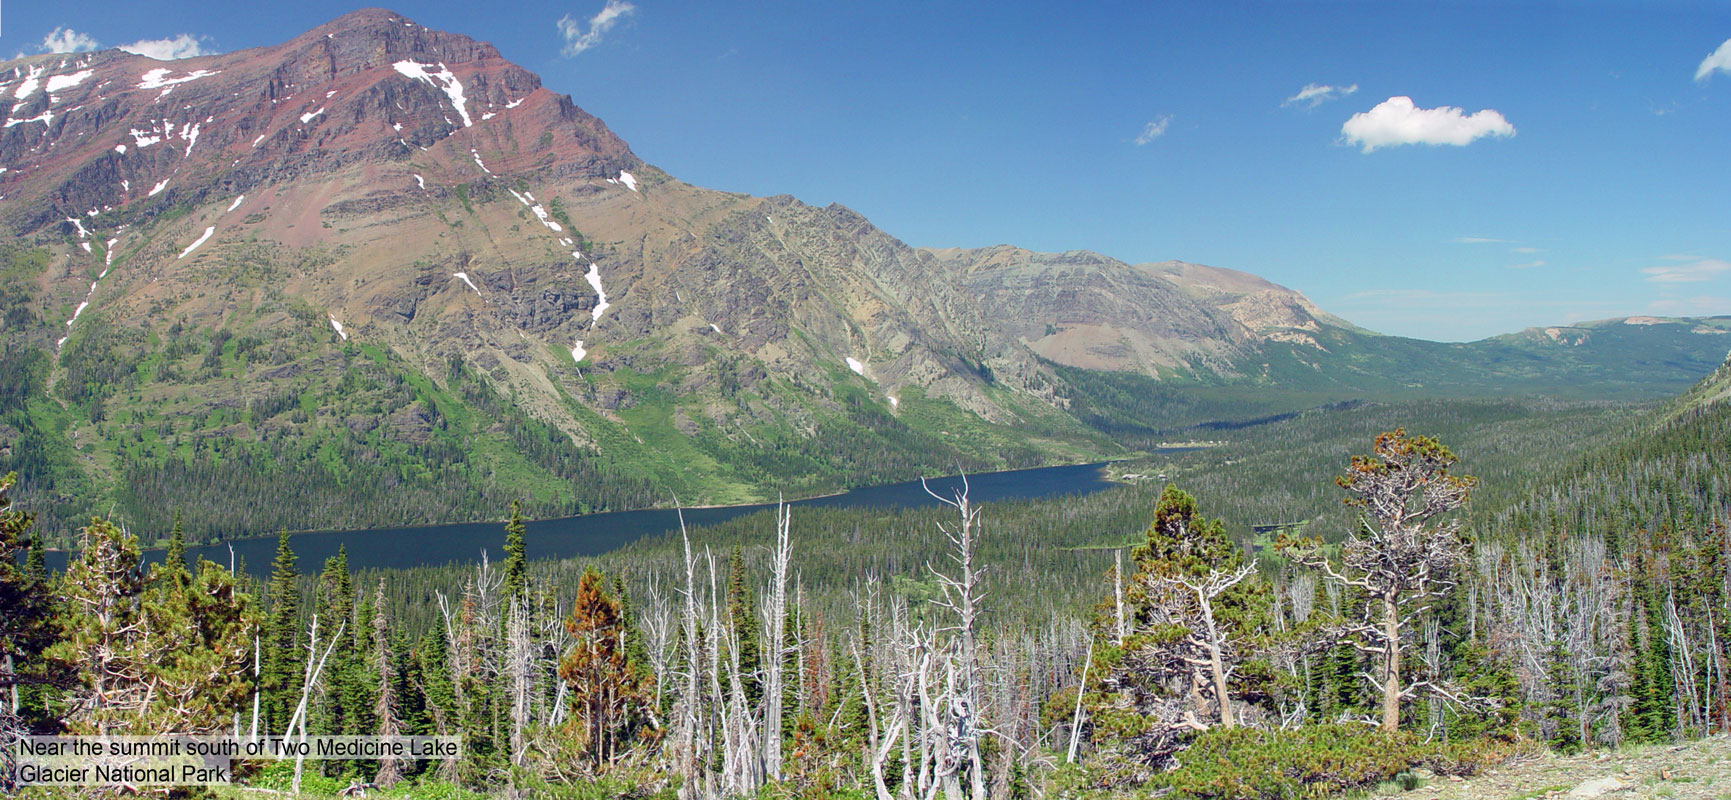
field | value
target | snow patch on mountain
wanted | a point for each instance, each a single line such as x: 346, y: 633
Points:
x: 593, y: 276
x: 158, y: 78
x: 465, y: 277
x: 201, y: 240
x: 59, y: 83
x: 45, y: 117
x: 443, y: 80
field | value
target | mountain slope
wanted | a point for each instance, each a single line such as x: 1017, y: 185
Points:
x: 256, y: 258
x: 378, y: 274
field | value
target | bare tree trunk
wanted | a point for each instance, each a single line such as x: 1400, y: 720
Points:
x: 519, y: 661
x: 691, y: 735
x: 776, y: 619
x: 1217, y: 665
x: 1118, y: 593
x: 1076, y: 718
x: 1391, y: 663
x: 307, y: 688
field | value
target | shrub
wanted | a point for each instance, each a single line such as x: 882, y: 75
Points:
x: 1315, y: 761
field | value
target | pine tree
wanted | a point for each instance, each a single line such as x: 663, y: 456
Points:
x: 1405, y: 551
x: 282, y: 672
x: 101, y: 635
x: 1194, y: 607
x: 164, y: 654
x: 203, y: 627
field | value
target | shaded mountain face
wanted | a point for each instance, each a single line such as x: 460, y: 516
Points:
x: 379, y: 275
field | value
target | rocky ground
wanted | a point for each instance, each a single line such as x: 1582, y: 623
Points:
x: 1699, y: 770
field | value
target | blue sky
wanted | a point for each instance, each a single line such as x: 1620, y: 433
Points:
x: 1498, y: 165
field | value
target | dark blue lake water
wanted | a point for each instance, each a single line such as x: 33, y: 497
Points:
x: 597, y: 533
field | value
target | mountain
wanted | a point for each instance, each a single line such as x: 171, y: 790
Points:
x: 1190, y: 323
x: 378, y: 274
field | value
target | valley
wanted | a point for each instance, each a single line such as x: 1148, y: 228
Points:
x: 618, y: 484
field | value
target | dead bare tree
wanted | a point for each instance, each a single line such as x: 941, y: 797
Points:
x: 963, y: 591
x: 1403, y: 555
x: 315, y: 670
x: 776, y: 649
x: 385, y: 709
x: 691, y: 745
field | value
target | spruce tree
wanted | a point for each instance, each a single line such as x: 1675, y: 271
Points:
x: 335, y: 712
x: 174, y: 561
x: 516, y: 555
x: 282, y: 672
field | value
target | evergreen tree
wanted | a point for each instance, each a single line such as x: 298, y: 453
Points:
x: 607, y: 695
x: 173, y: 564
x: 102, y: 636
x: 204, y: 626
x: 440, y: 715
x: 516, y: 555
x: 282, y: 672
x: 26, y: 614
x: 336, y: 711
x: 742, y: 616
x: 177, y: 544
x: 164, y: 654
x: 1194, y: 608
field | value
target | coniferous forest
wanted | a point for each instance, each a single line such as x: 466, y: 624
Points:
x: 1127, y: 643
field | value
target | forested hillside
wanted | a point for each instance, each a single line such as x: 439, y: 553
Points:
x: 895, y: 654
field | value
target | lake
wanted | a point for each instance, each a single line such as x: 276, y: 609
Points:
x: 592, y: 534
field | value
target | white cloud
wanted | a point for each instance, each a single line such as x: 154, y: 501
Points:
x: 175, y: 47
x: 1396, y: 121
x: 67, y: 40
x: 1692, y: 272
x: 577, y: 40
x: 1154, y: 130
x: 1528, y: 250
x: 1699, y: 306
x: 1719, y: 61
x: 1479, y: 240
x: 1315, y: 94
x: 1528, y: 265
